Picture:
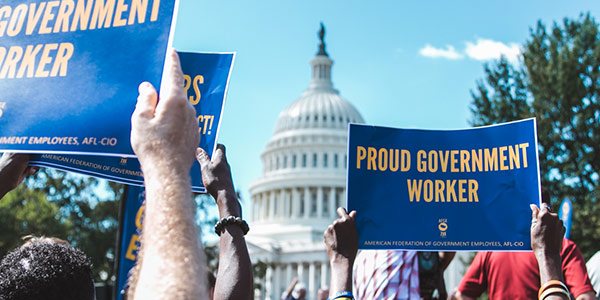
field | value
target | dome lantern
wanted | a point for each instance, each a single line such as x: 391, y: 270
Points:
x: 321, y: 67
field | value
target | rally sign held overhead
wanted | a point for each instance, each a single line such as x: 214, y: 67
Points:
x: 69, y: 71
x: 206, y: 80
x: 448, y: 190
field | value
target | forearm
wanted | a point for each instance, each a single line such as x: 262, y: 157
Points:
x: 234, y: 278
x: 341, y: 275
x: 446, y: 259
x: 169, y: 228
x: 550, y: 269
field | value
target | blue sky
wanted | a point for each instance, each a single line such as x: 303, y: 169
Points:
x: 401, y: 63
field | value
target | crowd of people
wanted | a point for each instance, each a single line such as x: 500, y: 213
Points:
x: 171, y: 262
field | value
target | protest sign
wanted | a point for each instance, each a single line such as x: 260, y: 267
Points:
x: 132, y: 215
x: 444, y: 190
x: 206, y: 81
x: 69, y: 71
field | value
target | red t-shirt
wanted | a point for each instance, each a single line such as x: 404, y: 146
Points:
x: 515, y: 275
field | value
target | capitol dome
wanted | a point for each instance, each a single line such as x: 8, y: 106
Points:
x: 302, y: 183
x: 320, y: 106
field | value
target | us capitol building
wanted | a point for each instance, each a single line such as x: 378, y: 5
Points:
x: 302, y: 184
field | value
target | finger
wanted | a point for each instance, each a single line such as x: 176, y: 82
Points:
x: 352, y: 214
x: 342, y: 213
x: 220, y: 153
x: 534, y: 212
x: 171, y: 88
x: 146, y: 101
x: 546, y: 207
x: 202, y: 158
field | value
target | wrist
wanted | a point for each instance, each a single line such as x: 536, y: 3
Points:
x: 227, y: 203
x: 338, y: 260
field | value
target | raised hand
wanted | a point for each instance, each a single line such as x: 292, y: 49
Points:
x: 165, y: 129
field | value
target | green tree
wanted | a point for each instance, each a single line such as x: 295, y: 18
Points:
x: 27, y: 212
x: 557, y: 81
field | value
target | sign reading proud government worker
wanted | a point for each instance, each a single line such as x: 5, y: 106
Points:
x: 69, y: 71
x: 444, y: 190
x: 206, y: 77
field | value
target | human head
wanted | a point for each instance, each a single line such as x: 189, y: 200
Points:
x: 46, y: 268
x: 299, y: 291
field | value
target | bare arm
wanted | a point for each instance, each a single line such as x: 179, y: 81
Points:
x: 164, y: 136
x: 547, y: 233
x: 13, y: 169
x: 234, y: 277
x: 290, y: 288
x: 446, y: 258
x: 341, y: 241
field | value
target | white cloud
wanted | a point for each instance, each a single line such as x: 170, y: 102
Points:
x: 486, y: 49
x: 448, y: 53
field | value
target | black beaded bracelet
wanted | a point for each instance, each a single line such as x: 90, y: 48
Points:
x: 231, y: 220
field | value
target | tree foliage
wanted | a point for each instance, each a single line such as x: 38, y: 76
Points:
x: 27, y: 212
x: 558, y: 82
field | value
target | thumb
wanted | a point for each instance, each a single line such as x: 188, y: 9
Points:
x: 202, y: 158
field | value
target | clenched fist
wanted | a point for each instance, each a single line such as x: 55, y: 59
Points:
x: 164, y: 132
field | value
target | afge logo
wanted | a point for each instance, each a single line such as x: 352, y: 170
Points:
x: 443, y: 226
x: 2, y: 107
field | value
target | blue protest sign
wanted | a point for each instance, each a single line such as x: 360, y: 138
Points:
x: 565, y: 213
x: 206, y: 81
x: 69, y: 71
x: 131, y: 229
x: 447, y: 190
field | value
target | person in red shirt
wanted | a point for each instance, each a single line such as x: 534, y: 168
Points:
x: 515, y: 275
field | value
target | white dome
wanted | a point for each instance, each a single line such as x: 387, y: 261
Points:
x: 318, y: 109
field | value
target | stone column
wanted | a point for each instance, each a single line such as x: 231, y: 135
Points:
x: 277, y: 282
x: 265, y: 205
x: 288, y: 199
x: 272, y: 205
x: 311, y: 281
x: 295, y: 203
x: 324, y: 274
x: 332, y: 204
x: 319, y: 202
x: 301, y: 272
x: 284, y: 204
x: 306, y: 202
x: 269, y: 283
x: 281, y: 205
x: 288, y: 275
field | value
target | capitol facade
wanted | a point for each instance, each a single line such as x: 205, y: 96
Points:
x: 302, y: 183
